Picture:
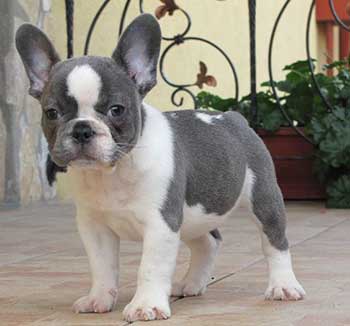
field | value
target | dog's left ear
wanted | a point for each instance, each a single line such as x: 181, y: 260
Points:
x: 137, y: 52
x: 38, y: 56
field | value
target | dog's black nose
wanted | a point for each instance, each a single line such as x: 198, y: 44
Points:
x: 82, y: 132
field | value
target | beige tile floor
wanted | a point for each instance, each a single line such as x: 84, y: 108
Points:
x: 43, y: 269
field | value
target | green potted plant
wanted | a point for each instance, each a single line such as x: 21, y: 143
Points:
x: 304, y: 171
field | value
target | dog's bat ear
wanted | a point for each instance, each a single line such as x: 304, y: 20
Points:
x: 137, y: 51
x: 38, y: 56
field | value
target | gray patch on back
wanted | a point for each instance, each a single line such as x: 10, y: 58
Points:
x: 206, y: 171
x: 211, y: 159
x: 215, y: 162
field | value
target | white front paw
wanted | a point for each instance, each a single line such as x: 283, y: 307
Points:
x: 285, y: 289
x: 103, y: 302
x: 147, y: 307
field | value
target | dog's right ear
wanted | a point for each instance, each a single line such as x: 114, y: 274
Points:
x: 137, y: 51
x: 38, y: 56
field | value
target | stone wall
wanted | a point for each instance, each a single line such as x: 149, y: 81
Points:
x: 22, y: 147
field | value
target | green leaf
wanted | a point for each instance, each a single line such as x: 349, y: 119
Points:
x: 321, y: 169
x: 345, y: 92
x: 340, y: 64
x: 266, y: 84
x: 207, y: 100
x: 301, y: 66
x: 339, y: 193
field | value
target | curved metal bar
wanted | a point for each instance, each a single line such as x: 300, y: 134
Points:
x: 161, y: 67
x: 278, y: 101
x: 122, y: 19
x: 185, y: 32
x: 335, y: 15
x: 309, y: 60
x: 92, y: 26
x: 176, y: 40
x: 190, y: 38
x: 252, y: 50
x: 183, y: 89
x: 69, y: 26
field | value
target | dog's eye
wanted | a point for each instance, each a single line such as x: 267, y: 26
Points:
x: 52, y: 114
x: 116, y: 110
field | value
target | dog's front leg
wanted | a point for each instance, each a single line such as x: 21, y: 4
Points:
x: 151, y: 300
x: 102, y: 248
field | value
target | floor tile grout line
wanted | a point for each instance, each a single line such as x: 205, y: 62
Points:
x: 292, y: 246
x: 321, y: 232
x: 31, y: 257
x: 256, y: 261
x: 42, y: 319
x: 23, y: 214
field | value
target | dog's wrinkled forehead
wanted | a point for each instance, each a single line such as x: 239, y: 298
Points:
x: 133, y: 64
x: 88, y: 80
x: 84, y: 84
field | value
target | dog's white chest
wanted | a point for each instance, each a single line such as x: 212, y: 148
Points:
x: 114, y: 198
x: 132, y: 194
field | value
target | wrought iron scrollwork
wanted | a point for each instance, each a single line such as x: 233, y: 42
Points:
x: 69, y: 26
x: 252, y: 48
x: 169, y: 7
x: 336, y: 17
x: 93, y: 24
x: 272, y: 83
x: 182, y: 87
x: 309, y: 59
x: 341, y: 25
x: 315, y: 83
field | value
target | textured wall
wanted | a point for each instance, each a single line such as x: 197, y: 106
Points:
x: 22, y: 151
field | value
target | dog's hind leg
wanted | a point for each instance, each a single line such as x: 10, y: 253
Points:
x: 203, y: 252
x: 268, y: 207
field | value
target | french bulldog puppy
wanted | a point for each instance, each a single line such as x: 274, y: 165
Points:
x: 141, y: 174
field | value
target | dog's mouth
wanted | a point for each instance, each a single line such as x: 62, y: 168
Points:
x: 87, y: 156
x: 92, y: 164
x: 95, y: 160
x: 84, y: 160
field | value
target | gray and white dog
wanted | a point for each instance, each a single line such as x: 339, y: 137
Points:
x: 141, y: 174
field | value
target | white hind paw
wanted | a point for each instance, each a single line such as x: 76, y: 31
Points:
x: 285, y: 290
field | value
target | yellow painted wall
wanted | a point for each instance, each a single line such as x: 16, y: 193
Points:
x: 223, y: 22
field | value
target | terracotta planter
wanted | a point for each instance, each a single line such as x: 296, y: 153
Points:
x: 324, y: 13
x: 293, y: 158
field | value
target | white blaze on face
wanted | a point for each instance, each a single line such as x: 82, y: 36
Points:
x: 84, y: 84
